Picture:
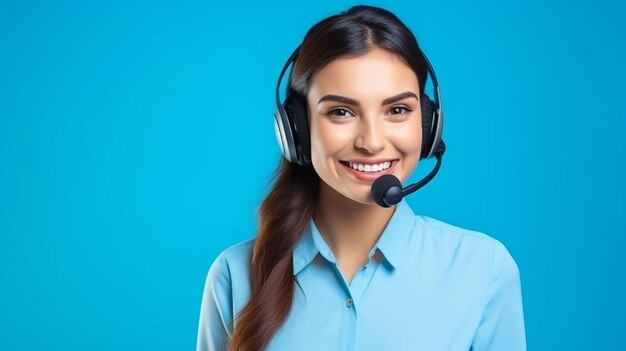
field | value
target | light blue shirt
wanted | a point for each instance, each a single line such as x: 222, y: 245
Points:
x: 427, y: 286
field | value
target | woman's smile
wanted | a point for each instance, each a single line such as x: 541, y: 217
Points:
x: 368, y: 171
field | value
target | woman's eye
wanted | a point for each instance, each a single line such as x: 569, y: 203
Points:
x: 339, y: 113
x: 399, y: 110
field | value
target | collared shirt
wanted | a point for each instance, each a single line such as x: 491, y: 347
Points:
x: 427, y: 285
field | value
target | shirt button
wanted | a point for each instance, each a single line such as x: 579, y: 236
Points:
x: 349, y: 302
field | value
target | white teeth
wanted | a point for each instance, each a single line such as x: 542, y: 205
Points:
x: 370, y: 167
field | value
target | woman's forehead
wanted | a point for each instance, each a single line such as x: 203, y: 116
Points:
x: 377, y: 72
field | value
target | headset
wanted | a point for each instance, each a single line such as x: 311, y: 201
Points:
x: 292, y: 127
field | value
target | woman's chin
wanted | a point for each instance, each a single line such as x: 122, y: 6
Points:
x: 355, y: 193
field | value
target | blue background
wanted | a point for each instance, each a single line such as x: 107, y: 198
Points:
x: 136, y: 144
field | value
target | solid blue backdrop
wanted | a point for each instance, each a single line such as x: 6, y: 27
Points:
x: 136, y: 143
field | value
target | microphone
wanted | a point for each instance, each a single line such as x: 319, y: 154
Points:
x: 387, y: 189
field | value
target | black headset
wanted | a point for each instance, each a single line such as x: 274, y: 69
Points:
x: 292, y: 127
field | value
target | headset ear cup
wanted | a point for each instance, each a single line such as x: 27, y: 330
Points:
x: 296, y: 110
x: 428, y: 107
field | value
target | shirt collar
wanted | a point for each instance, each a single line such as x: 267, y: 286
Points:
x: 391, y: 243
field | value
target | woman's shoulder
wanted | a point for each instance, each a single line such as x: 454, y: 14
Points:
x: 238, y: 253
x: 467, y: 244
x: 439, y: 227
x: 232, y: 264
x: 442, y: 231
x: 227, y: 285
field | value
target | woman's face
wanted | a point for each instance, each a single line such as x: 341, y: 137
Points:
x: 364, y: 113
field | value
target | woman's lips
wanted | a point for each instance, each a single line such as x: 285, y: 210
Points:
x: 368, y: 177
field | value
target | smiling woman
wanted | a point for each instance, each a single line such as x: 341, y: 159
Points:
x: 332, y: 270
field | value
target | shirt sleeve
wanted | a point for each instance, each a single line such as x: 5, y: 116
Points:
x: 502, y: 323
x: 216, y: 308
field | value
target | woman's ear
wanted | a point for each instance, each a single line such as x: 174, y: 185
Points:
x: 427, y: 108
x: 296, y: 107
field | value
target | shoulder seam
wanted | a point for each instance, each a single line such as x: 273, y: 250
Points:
x: 235, y: 246
x: 463, y: 232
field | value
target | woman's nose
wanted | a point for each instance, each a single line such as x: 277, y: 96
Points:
x: 370, y: 138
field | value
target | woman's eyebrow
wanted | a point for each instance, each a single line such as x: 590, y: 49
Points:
x: 350, y: 101
x: 399, y: 97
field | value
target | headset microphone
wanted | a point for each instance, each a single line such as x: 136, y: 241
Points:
x: 387, y: 189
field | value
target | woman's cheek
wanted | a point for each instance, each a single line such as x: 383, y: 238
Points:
x: 334, y: 137
x: 408, y: 139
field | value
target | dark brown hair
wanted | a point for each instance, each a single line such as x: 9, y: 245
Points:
x: 291, y: 202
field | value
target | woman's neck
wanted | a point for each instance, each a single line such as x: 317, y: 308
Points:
x: 350, y: 228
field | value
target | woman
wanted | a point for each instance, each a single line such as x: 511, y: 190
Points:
x: 332, y: 270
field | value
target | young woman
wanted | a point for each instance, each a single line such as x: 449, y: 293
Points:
x: 330, y: 269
